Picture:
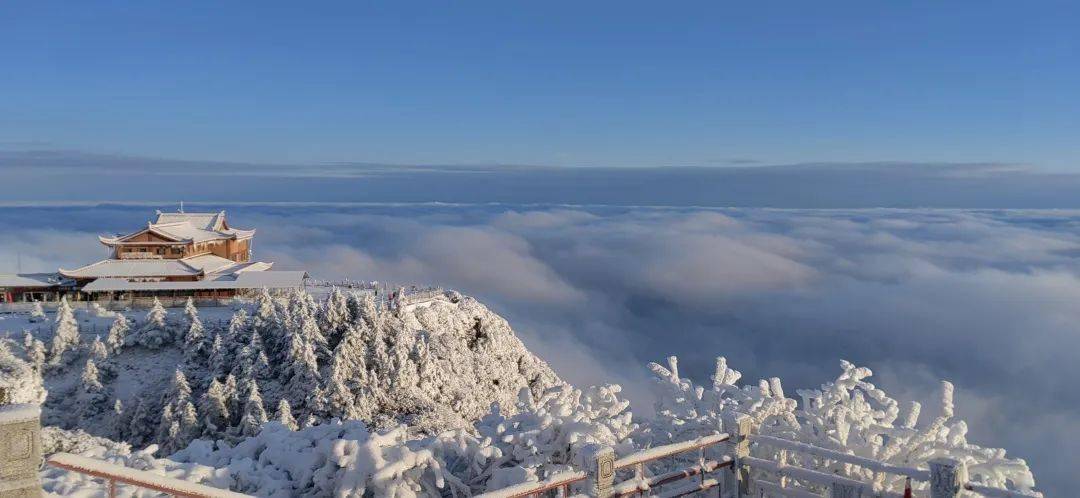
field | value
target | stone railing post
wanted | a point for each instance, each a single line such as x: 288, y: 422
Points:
x: 736, y: 482
x: 20, y: 451
x: 599, y: 469
x: 947, y: 477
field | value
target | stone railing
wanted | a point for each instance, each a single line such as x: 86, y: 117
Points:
x: 20, y: 450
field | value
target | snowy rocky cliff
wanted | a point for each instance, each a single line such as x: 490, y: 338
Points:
x: 169, y: 377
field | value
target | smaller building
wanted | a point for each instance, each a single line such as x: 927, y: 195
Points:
x: 177, y: 255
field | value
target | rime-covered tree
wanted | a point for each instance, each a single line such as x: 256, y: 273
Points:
x: 301, y: 371
x: 232, y: 399
x: 154, y: 331
x: 308, y: 329
x: 117, y: 333
x: 333, y: 316
x: 214, y: 407
x: 65, y: 331
x: 196, y: 348
x: 218, y: 358
x: 143, y: 423
x: 176, y: 402
x: 179, y: 426
x: 190, y: 426
x: 35, y: 351
x: 100, y: 354
x: 266, y: 322
x: 254, y: 415
x: 284, y: 414
x: 21, y: 383
x: 179, y: 390
x: 119, y: 421
x: 37, y: 314
x: 168, y: 429
x: 338, y: 392
x: 362, y: 307
x: 300, y: 318
x: 301, y: 304
x: 191, y: 313
x: 238, y: 334
x: 92, y: 397
x: 252, y: 360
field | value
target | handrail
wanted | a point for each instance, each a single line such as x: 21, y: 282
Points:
x: 562, y: 481
x: 867, y: 463
x: 119, y: 474
x: 668, y: 450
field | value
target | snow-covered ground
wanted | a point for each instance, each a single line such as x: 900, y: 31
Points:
x: 349, y: 396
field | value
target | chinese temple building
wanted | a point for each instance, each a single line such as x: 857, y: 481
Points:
x: 178, y: 255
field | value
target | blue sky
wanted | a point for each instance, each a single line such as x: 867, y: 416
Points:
x: 552, y: 83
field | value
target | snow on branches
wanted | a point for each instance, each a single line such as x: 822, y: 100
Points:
x: 849, y: 415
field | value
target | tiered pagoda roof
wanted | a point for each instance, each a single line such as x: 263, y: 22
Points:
x: 201, y: 265
x: 184, y: 228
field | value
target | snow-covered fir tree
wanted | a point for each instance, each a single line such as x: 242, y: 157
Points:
x: 238, y: 334
x: 20, y: 382
x: 266, y: 322
x: 233, y: 399
x: 100, y: 354
x: 361, y: 306
x: 37, y: 314
x: 252, y: 361
x: 168, y: 429
x: 334, y: 316
x: 65, y: 332
x: 191, y: 427
x: 196, y: 348
x: 35, y: 351
x: 284, y: 414
x: 179, y: 391
x: 154, y: 331
x: 191, y: 313
x: 213, y: 405
x: 117, y: 333
x: 301, y: 371
x: 338, y: 384
x: 218, y: 357
x: 143, y: 423
x: 118, y: 422
x: 254, y: 413
x: 92, y: 398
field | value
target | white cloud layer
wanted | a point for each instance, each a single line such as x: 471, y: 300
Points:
x: 986, y: 299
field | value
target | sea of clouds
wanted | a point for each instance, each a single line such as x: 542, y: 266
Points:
x: 985, y: 298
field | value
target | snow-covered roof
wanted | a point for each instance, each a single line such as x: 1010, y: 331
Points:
x: 242, y: 280
x: 253, y: 266
x: 209, y: 263
x: 30, y: 280
x: 135, y: 268
x: 205, y: 221
x: 132, y: 268
x: 185, y: 231
x: 186, y: 228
